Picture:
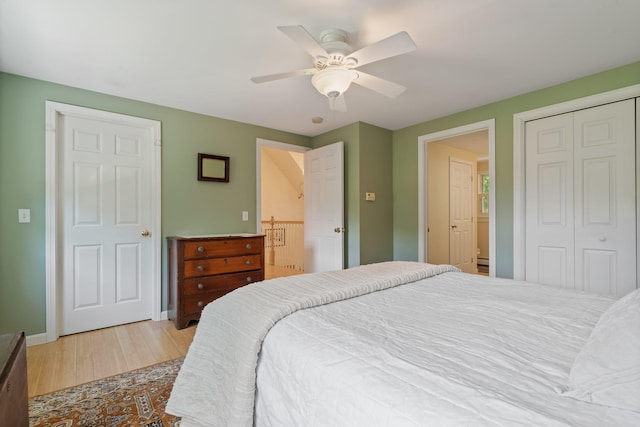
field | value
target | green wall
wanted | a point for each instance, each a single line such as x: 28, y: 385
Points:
x: 376, y: 160
x: 376, y: 218
x: 188, y: 205
x: 405, y: 158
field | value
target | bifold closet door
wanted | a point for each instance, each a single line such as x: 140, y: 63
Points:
x: 605, y: 211
x: 549, y: 201
x: 580, y: 201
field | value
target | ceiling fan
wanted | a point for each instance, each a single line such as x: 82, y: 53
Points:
x: 335, y: 63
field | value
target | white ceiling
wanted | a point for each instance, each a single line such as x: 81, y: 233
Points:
x: 198, y: 55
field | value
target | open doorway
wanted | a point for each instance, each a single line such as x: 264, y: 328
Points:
x: 456, y: 215
x: 280, y: 206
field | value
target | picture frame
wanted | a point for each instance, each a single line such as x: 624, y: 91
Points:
x: 213, y: 168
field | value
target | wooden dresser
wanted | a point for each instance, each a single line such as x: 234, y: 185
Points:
x: 203, y: 268
x: 14, y: 409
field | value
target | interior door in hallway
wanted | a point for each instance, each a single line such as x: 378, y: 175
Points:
x: 461, y: 209
x: 324, y: 208
x: 105, y: 174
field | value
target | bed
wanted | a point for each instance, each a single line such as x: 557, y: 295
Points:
x: 411, y: 344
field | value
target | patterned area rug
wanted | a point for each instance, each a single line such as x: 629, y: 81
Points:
x: 135, y: 399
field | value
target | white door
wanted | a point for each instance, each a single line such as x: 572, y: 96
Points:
x: 324, y: 208
x: 580, y: 203
x: 549, y: 201
x: 605, y: 211
x: 461, y: 197
x: 105, y: 214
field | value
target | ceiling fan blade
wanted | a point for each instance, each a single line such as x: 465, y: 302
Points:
x: 391, y: 46
x: 271, y: 77
x: 338, y: 103
x: 300, y: 35
x: 382, y: 86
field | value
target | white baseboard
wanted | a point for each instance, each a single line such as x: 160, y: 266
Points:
x: 36, y: 339
x: 42, y: 338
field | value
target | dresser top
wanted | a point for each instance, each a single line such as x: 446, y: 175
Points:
x: 216, y: 236
x: 8, y: 344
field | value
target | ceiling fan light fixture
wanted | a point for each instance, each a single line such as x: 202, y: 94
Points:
x: 333, y: 82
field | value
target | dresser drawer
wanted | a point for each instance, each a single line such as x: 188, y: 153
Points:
x: 205, y: 267
x: 195, y: 303
x: 231, y: 247
x: 228, y: 282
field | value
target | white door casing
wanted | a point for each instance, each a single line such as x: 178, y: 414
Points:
x: 423, y: 200
x: 103, y: 194
x: 580, y: 199
x: 260, y: 143
x: 461, y: 209
x: 324, y: 208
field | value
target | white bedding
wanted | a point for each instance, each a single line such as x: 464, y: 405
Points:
x: 454, y: 349
x: 216, y: 384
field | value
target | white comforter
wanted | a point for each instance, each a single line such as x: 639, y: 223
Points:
x: 455, y: 349
x: 216, y: 384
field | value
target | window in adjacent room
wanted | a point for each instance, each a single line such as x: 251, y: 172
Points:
x: 483, y: 193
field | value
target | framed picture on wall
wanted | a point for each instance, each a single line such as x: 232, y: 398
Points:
x: 213, y: 168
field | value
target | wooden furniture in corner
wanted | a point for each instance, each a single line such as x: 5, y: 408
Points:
x: 14, y: 403
x: 203, y: 268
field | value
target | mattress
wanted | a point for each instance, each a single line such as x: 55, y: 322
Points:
x: 454, y: 349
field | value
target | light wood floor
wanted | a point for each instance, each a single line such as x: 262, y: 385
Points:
x: 80, y: 358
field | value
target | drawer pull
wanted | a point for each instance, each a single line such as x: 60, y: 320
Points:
x: 200, y: 304
x: 248, y: 262
x: 249, y: 279
x: 226, y: 261
x: 200, y: 286
x: 200, y: 249
x: 248, y: 246
x: 200, y: 268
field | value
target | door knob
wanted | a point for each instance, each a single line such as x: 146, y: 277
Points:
x: 338, y: 229
x: 145, y: 233
x: 453, y: 227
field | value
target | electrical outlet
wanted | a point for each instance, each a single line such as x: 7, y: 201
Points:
x: 24, y: 215
x: 245, y: 215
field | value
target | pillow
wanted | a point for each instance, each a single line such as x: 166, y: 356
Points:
x: 607, y: 369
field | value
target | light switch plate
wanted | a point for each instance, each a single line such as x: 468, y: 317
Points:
x: 370, y: 197
x: 245, y: 215
x: 24, y: 215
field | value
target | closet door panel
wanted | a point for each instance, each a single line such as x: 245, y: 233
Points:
x: 549, y: 201
x: 605, y: 198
